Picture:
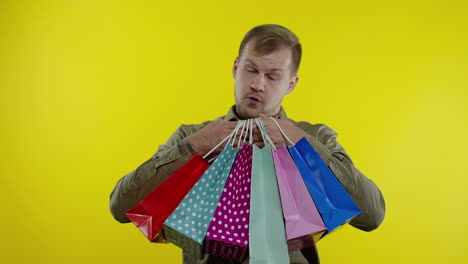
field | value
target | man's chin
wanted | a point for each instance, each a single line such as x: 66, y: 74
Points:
x: 247, y: 112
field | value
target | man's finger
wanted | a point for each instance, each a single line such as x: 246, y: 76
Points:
x: 257, y: 137
x: 259, y: 144
x: 231, y: 124
x: 266, y: 120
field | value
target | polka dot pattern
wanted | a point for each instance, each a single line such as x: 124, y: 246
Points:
x: 230, y: 223
x: 193, y: 215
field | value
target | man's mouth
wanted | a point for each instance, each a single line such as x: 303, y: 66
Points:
x: 254, y: 100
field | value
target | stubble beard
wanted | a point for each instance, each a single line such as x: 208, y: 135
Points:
x: 247, y: 112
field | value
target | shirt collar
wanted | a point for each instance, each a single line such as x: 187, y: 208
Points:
x: 232, y: 114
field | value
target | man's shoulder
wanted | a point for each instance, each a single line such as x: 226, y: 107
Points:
x: 192, y: 128
x: 317, y: 130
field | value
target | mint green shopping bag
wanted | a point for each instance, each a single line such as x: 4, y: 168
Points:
x: 267, y: 235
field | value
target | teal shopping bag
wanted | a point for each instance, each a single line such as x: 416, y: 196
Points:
x: 267, y: 235
x: 187, y: 225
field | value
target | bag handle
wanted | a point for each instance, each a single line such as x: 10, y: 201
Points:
x: 251, y: 130
x: 242, y: 134
x: 265, y: 137
x: 261, y: 131
x: 228, y: 138
x: 236, y: 130
x: 281, y: 130
x: 266, y: 134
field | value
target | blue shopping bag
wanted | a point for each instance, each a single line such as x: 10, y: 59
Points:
x: 332, y: 200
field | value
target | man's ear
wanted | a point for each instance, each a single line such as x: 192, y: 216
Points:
x: 234, y: 68
x: 292, y: 84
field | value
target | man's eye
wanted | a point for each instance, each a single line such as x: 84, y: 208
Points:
x: 272, y: 77
x: 251, y: 70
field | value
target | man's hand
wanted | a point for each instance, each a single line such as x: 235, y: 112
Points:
x: 292, y: 131
x: 207, y: 138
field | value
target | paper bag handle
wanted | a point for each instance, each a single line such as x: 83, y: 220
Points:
x: 228, y: 138
x: 282, y: 132
x: 265, y: 137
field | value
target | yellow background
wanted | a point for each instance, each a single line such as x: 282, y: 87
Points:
x: 90, y: 88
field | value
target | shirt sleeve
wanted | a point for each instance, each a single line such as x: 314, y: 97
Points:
x: 133, y: 187
x: 362, y: 190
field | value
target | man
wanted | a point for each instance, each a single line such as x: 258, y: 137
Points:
x: 264, y: 72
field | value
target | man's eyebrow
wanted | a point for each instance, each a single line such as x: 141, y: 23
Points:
x: 271, y: 70
x: 276, y: 69
x: 251, y: 62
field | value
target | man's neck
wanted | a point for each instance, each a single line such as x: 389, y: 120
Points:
x: 240, y: 117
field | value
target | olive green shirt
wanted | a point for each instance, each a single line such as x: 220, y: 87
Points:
x: 133, y: 187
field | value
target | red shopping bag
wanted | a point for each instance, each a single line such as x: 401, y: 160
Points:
x: 149, y: 215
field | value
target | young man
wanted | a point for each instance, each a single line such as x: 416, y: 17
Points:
x: 264, y: 72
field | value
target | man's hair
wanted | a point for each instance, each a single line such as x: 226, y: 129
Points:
x: 270, y: 38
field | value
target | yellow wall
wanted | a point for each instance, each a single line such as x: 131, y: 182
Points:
x: 90, y: 88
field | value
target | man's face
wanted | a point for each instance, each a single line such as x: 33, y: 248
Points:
x: 262, y: 80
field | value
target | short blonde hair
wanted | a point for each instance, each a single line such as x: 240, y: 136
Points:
x: 269, y: 38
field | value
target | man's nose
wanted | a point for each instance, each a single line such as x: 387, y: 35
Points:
x: 258, y: 83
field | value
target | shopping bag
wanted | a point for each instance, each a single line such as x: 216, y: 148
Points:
x: 150, y: 214
x: 304, y: 226
x: 228, y: 233
x: 187, y: 225
x: 267, y: 236
x: 332, y: 200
